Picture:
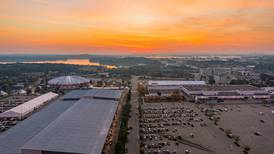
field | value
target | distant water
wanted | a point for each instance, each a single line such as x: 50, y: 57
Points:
x: 83, y: 62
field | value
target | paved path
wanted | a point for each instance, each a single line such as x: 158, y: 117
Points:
x: 133, y: 145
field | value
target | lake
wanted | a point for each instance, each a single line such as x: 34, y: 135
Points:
x: 83, y: 62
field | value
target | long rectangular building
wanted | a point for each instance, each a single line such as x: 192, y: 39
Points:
x: 199, y: 90
x: 14, y: 138
x: 77, y: 123
x: 211, y: 92
x: 27, y: 107
x: 167, y: 87
x: 174, y: 82
x: 81, y: 129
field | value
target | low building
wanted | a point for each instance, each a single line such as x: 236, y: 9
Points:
x: 223, y: 92
x: 167, y: 87
x: 24, y: 109
x: 174, y: 83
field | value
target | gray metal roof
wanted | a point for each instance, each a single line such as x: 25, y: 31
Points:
x: 66, y: 126
x: 221, y: 87
x: 174, y: 82
x: 93, y: 93
x: 75, y: 95
x: 104, y: 94
x: 13, y: 139
x: 83, y: 128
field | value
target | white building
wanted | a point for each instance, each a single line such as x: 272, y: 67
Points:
x: 174, y: 83
x: 29, y: 106
x: 167, y: 87
x: 222, y: 92
x: 2, y: 93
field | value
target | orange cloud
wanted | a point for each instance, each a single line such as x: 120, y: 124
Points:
x: 142, y: 26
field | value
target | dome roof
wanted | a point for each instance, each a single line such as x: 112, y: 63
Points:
x: 68, y: 80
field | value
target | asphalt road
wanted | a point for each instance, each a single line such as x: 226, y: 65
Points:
x: 133, y: 144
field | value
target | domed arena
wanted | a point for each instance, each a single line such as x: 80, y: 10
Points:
x: 69, y: 82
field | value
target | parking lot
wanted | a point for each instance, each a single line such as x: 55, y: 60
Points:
x: 179, y: 128
x: 252, y: 124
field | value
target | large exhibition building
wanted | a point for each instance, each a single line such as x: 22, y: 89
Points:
x: 223, y: 92
x: 199, y: 90
x: 79, y: 122
x: 167, y: 87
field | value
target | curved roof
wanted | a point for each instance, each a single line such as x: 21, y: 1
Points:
x: 68, y: 80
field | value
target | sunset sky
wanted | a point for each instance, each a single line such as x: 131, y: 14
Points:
x: 136, y: 26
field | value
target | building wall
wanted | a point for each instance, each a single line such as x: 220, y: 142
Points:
x: 54, y: 152
x: 30, y: 151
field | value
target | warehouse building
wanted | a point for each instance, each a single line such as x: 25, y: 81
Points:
x: 223, y: 92
x: 199, y: 90
x: 174, y: 82
x: 167, y: 87
x: 24, y: 109
x: 77, y: 123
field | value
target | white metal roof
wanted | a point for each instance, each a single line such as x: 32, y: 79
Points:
x: 2, y: 93
x: 68, y: 80
x: 174, y: 82
x: 29, y: 106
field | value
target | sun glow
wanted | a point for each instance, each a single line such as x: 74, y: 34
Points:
x: 120, y: 26
x: 143, y: 20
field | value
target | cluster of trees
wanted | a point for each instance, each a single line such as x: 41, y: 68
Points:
x: 211, y: 80
x: 155, y: 70
x: 142, y: 89
x: 268, y: 79
x: 265, y: 67
x: 152, y: 99
x: 221, y: 63
x: 24, y: 58
x: 22, y: 73
x: 123, y: 133
x: 238, y: 81
x: 20, y: 68
x: 265, y: 63
x: 174, y: 97
x: 124, y: 61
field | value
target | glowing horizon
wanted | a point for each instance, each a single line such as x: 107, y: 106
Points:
x: 136, y: 27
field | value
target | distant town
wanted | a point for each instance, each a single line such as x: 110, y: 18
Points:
x: 79, y: 104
